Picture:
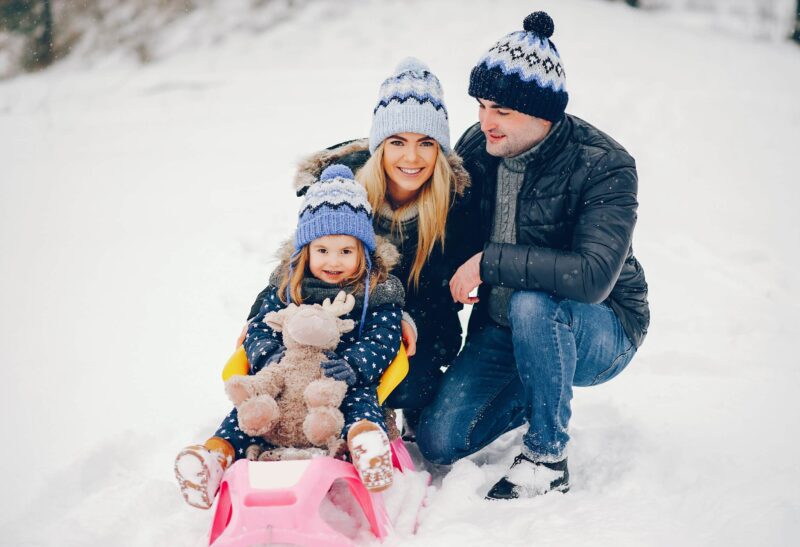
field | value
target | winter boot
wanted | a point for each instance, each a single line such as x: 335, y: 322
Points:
x: 371, y: 454
x: 199, y: 470
x: 410, y: 423
x: 528, y: 478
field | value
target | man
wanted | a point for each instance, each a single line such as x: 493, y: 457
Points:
x: 562, y: 300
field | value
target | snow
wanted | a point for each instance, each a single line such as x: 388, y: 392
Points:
x: 140, y: 207
x: 532, y: 479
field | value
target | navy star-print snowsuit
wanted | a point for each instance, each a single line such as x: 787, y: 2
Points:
x: 369, y: 356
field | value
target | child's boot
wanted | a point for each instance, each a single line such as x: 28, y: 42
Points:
x: 371, y: 454
x: 199, y: 470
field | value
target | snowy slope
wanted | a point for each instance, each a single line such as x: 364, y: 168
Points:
x: 140, y: 207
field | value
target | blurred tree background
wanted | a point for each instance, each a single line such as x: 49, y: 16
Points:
x: 36, y: 33
x: 34, y: 20
x: 762, y: 18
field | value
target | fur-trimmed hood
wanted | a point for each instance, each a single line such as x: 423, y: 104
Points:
x: 385, y: 256
x: 384, y: 259
x: 355, y: 154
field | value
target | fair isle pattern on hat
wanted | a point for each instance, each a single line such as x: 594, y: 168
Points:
x: 336, y: 205
x: 410, y: 101
x: 523, y: 71
x: 415, y: 82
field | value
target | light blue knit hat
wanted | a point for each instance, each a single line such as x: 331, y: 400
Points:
x: 410, y: 101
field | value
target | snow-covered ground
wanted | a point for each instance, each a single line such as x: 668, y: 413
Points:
x: 140, y: 208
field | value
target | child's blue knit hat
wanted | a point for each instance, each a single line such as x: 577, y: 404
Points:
x: 336, y: 205
x: 410, y: 101
x: 523, y: 71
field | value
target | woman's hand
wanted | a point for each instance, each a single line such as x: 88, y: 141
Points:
x: 409, y: 338
x: 240, y: 341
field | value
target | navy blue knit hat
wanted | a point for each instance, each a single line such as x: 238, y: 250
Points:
x: 523, y: 71
x: 336, y: 205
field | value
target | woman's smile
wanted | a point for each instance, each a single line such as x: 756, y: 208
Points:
x: 408, y: 160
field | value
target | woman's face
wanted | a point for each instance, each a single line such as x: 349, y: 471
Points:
x: 333, y: 258
x: 408, y: 161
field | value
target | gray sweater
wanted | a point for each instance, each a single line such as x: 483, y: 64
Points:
x: 510, y: 174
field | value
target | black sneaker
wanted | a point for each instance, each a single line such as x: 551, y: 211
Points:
x: 528, y: 478
x: 410, y: 423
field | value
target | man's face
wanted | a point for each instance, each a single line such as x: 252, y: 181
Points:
x: 508, y: 132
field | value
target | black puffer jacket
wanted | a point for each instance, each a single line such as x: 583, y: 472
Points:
x: 430, y: 304
x: 576, y: 212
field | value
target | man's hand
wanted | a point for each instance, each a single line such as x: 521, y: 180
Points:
x: 409, y: 338
x: 466, y: 279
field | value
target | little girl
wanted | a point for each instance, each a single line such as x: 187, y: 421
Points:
x: 334, y: 248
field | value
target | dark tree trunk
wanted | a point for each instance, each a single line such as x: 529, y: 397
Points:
x: 43, y: 36
x: 796, y: 34
x: 635, y: 3
x: 34, y: 19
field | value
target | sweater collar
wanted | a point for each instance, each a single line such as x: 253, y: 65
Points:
x: 407, y: 213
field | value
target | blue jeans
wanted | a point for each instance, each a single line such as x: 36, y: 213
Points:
x: 504, y: 377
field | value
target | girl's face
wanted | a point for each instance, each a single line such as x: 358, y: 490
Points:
x: 334, y: 258
x: 408, y: 160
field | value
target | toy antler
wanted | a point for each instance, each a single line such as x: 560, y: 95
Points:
x: 341, y: 305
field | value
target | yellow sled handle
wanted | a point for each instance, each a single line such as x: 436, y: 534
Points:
x: 397, y: 371
x: 237, y: 365
x: 392, y: 376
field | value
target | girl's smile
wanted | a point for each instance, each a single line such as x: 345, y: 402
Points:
x: 334, y: 258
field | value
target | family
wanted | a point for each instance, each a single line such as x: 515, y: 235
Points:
x: 533, y: 207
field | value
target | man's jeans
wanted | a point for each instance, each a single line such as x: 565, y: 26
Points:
x: 505, y: 377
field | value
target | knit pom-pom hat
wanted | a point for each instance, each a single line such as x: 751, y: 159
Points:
x: 410, y: 101
x: 336, y: 205
x: 523, y: 71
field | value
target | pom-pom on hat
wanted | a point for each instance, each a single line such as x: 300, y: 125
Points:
x: 336, y: 205
x: 410, y: 101
x: 523, y: 71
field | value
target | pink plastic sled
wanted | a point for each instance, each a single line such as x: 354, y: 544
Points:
x: 279, y: 502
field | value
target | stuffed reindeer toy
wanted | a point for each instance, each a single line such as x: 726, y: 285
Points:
x: 291, y: 403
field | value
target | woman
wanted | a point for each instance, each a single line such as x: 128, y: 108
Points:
x: 414, y: 182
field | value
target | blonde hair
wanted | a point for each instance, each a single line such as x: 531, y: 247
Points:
x: 433, y: 203
x: 300, y: 269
